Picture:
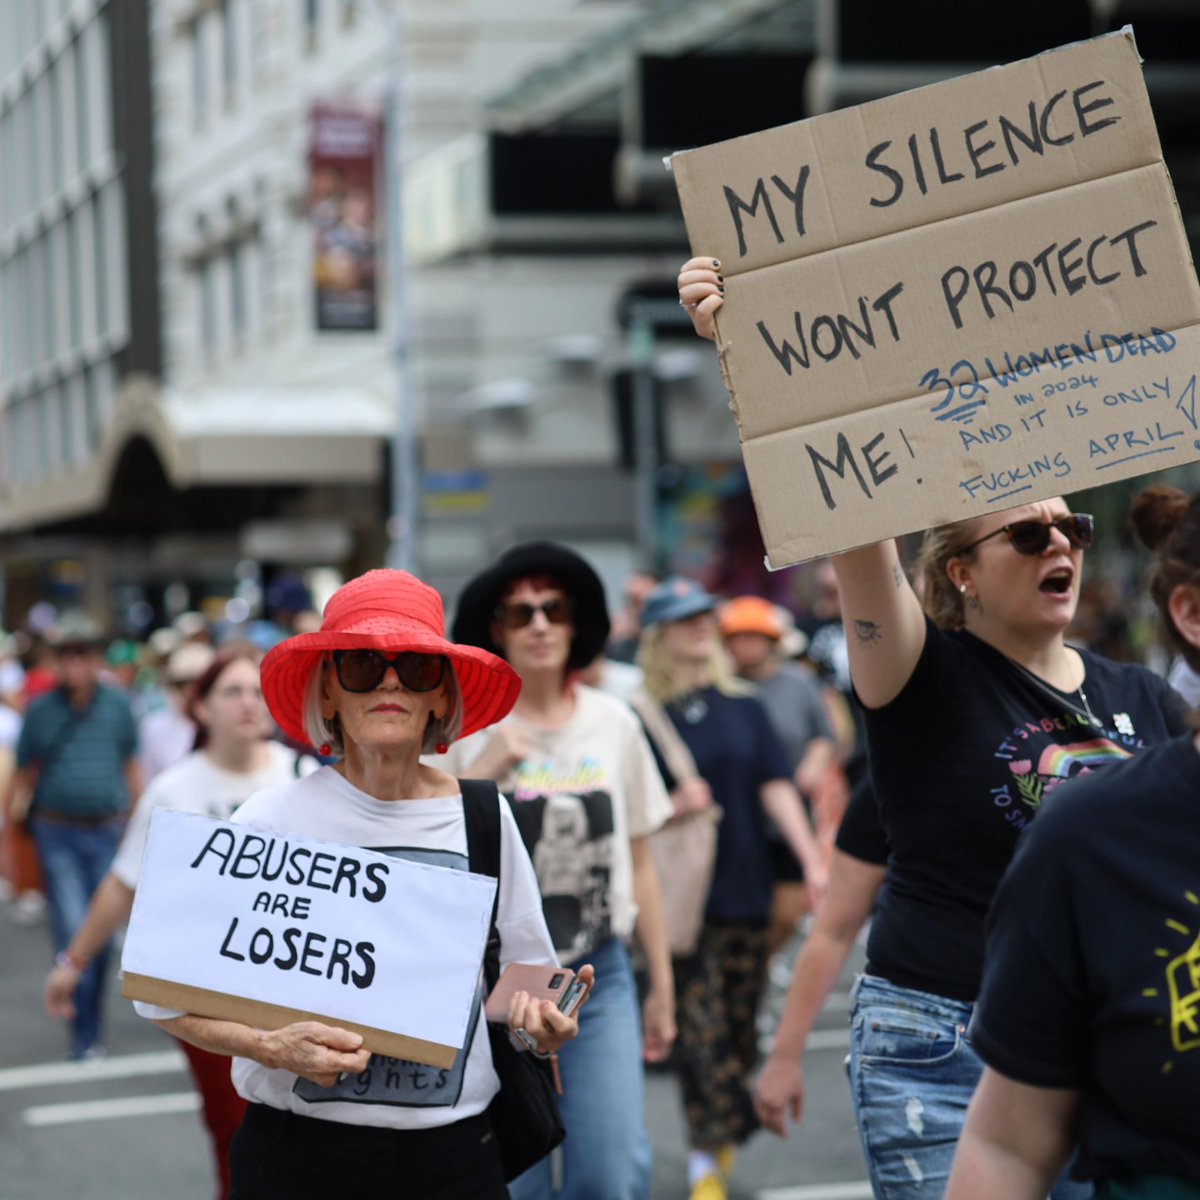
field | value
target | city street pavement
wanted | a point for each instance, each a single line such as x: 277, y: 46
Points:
x: 127, y: 1127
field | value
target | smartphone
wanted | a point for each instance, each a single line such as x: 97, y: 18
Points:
x: 558, y: 984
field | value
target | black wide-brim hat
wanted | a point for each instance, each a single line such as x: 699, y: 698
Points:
x: 479, y: 599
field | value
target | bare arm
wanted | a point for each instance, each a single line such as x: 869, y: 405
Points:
x: 134, y: 780
x: 853, y: 886
x: 819, y: 756
x: 110, y: 906
x: 1015, y: 1142
x: 885, y: 628
x: 313, y: 1051
x: 782, y: 804
x: 658, y: 1011
x: 20, y: 786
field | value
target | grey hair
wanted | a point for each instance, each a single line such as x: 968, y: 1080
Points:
x: 321, y: 732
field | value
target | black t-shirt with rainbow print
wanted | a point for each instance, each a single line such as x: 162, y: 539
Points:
x: 961, y: 761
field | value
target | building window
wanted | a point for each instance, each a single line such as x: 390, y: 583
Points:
x: 66, y: 427
x: 44, y: 459
x: 82, y: 115
x: 75, y: 282
x: 237, y: 291
x: 208, y: 309
x: 312, y: 24
x: 199, y: 74
x: 33, y: 147
x: 84, y: 284
x: 57, y: 146
x: 101, y: 269
x: 7, y: 214
x: 229, y: 50
x: 91, y: 410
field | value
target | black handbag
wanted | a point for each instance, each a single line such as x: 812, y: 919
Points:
x: 524, y: 1113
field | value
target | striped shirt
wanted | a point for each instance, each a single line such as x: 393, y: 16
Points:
x: 81, y: 753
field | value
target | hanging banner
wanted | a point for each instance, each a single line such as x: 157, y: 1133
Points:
x: 952, y: 301
x: 345, y: 161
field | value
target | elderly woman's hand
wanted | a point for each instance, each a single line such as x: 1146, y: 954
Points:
x: 59, y: 990
x: 702, y: 292
x: 319, y: 1053
x: 541, y: 1020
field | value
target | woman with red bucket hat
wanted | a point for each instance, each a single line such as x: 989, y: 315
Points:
x: 377, y: 686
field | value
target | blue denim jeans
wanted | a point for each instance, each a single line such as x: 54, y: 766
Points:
x: 912, y: 1075
x: 75, y: 858
x: 606, y: 1155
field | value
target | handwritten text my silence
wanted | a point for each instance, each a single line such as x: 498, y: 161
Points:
x: 252, y: 856
x: 1078, y: 258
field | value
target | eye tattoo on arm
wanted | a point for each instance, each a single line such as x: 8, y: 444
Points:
x: 867, y: 632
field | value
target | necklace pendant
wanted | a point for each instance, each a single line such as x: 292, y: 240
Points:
x: 694, y: 709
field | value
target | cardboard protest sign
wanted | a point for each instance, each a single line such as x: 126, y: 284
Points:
x: 269, y: 928
x: 960, y: 299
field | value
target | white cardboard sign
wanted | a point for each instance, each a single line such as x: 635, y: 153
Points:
x: 267, y: 928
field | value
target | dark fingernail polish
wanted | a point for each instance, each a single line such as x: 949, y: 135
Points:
x: 721, y: 290
x: 720, y: 278
x: 716, y: 265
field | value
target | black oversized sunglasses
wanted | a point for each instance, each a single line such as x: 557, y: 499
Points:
x: 518, y: 615
x: 363, y: 670
x: 1032, y: 537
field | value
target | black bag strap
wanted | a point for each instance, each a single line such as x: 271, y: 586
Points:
x: 481, y: 811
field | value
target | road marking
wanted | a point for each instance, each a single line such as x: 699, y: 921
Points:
x: 859, y: 1189
x: 123, y: 1066
x: 110, y: 1110
x: 828, y: 1039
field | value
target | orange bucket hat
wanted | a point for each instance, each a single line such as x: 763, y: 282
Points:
x: 389, y: 611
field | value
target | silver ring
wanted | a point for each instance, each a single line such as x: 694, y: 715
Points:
x: 690, y: 307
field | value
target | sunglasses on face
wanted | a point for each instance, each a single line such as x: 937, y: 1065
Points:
x: 520, y: 614
x: 363, y: 670
x: 77, y: 651
x: 1032, y: 537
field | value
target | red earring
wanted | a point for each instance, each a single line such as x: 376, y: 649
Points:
x: 441, y: 748
x: 324, y: 749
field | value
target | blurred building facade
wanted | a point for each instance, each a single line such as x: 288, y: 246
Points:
x: 219, y: 379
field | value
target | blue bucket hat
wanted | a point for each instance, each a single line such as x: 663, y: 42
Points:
x: 676, y: 599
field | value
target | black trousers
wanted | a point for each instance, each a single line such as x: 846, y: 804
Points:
x: 282, y: 1156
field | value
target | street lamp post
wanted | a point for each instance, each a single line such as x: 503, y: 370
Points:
x: 645, y: 434
x: 403, y: 526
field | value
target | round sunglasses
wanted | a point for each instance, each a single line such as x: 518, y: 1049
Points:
x: 1032, y: 537
x: 364, y: 670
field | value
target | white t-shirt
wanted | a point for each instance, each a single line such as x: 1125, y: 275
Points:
x: 591, y: 785
x: 165, y: 736
x: 10, y: 727
x: 196, y: 785
x: 394, y: 1093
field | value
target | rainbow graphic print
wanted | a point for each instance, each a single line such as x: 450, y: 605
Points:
x: 1059, y: 763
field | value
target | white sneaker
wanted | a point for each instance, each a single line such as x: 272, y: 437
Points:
x: 29, y: 908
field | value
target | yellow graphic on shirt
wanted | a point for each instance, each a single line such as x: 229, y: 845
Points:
x: 1183, y: 986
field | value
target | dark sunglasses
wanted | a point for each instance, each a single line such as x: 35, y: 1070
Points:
x: 518, y: 615
x: 363, y: 670
x: 1032, y: 537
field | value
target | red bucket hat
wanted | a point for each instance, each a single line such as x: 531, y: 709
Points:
x: 386, y: 610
